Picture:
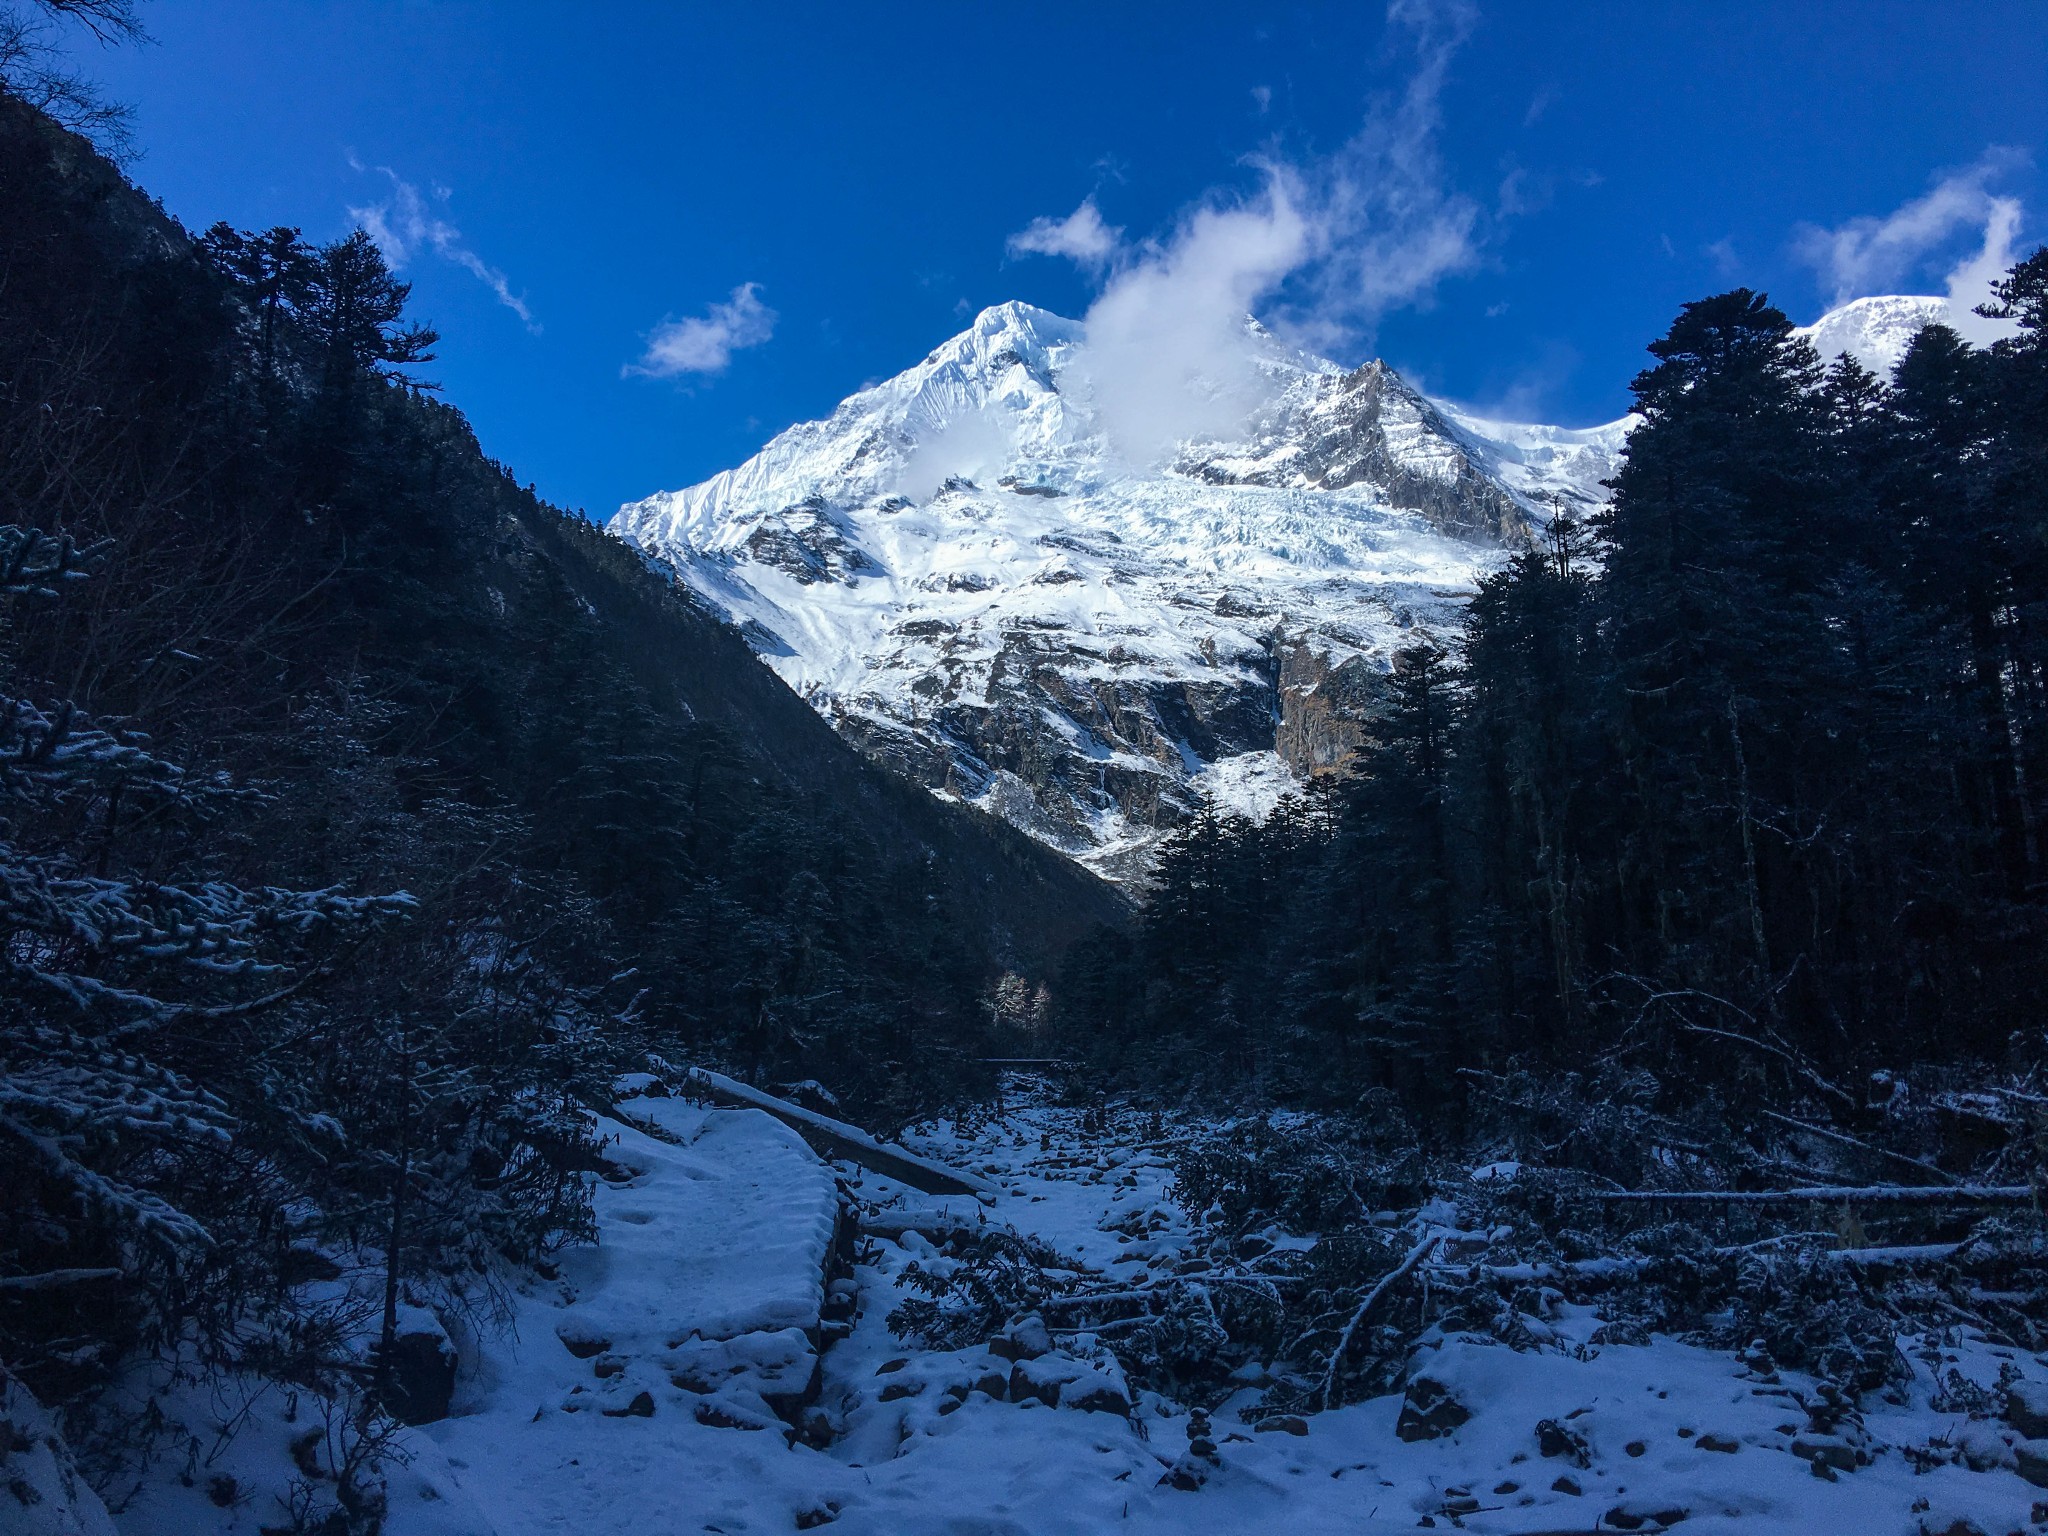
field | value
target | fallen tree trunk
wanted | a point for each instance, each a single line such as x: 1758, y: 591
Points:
x: 835, y: 1138
x: 1621, y: 1268
x: 1868, y: 1194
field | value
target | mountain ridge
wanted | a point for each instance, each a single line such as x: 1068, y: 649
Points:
x: 969, y: 572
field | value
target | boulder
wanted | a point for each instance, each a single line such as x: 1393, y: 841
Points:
x: 1042, y: 1380
x: 1644, y: 1515
x: 1025, y: 1339
x: 1097, y: 1393
x: 728, y: 1413
x: 2026, y: 1408
x: 44, y: 1490
x: 581, y: 1340
x: 1557, y: 1440
x: 1283, y: 1423
x: 1825, y: 1450
x: 1982, y: 1448
x: 2030, y: 1459
x: 419, y: 1375
x: 1429, y: 1411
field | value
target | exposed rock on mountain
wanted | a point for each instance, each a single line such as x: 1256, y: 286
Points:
x: 962, y: 572
x: 961, y: 569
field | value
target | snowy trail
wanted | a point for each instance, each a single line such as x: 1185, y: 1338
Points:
x: 720, y: 1230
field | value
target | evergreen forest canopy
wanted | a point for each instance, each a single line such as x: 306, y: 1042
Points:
x: 1733, y: 797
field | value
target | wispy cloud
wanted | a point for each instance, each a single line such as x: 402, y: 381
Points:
x: 704, y: 344
x: 405, y: 223
x: 1880, y: 253
x: 1326, y: 245
x: 1081, y: 237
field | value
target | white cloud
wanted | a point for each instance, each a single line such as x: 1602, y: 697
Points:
x: 404, y: 224
x: 1969, y: 282
x: 1082, y: 237
x: 705, y: 343
x: 1873, y: 254
x: 1168, y: 355
x: 972, y: 445
x: 1327, y: 246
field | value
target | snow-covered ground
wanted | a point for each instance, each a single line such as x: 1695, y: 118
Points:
x: 635, y: 1391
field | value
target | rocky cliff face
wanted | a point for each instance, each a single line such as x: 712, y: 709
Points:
x: 963, y: 572
x: 1368, y: 428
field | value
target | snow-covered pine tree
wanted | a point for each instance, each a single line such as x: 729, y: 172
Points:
x: 108, y: 972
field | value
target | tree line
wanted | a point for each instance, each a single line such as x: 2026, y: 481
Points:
x: 1740, y: 782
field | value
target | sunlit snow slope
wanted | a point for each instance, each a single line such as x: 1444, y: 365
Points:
x: 962, y: 571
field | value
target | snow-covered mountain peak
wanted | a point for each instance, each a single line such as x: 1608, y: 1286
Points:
x: 1876, y: 331
x: 969, y: 571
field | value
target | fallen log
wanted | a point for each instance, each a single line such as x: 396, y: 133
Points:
x: 52, y: 1279
x: 1867, y: 1194
x: 835, y: 1138
x: 1621, y: 1268
x: 939, y: 1226
x: 1168, y: 1286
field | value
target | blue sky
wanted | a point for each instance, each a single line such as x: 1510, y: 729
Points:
x: 654, y: 234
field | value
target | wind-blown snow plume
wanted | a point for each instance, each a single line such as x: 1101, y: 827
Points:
x: 704, y: 344
x: 1334, y: 242
x: 1392, y: 226
x: 1874, y: 254
x: 404, y: 224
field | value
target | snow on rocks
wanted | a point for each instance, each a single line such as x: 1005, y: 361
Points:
x: 1876, y: 331
x: 966, y: 573
x: 697, y: 1396
x: 42, y: 1492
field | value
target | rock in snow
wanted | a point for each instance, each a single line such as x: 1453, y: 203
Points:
x: 42, y: 1492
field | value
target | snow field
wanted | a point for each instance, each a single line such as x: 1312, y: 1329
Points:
x: 651, y: 1386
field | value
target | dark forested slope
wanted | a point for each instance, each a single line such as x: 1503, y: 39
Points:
x: 359, y: 813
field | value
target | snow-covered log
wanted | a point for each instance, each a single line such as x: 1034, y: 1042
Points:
x: 1866, y: 1194
x: 1621, y: 1268
x: 838, y: 1139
